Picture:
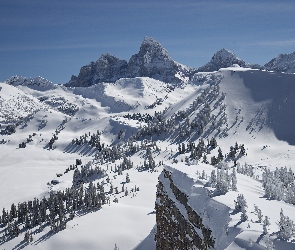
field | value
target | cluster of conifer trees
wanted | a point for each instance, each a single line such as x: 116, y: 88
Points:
x: 279, y: 184
x: 92, y: 140
x: 139, y: 117
x: 61, y: 206
x: 180, y: 124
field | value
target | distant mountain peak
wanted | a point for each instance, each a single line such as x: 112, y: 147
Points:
x: 222, y: 59
x: 151, y: 50
x: 29, y: 81
x: 150, y: 45
x: 282, y: 63
x: 106, y: 56
x: 107, y: 68
x: 225, y: 53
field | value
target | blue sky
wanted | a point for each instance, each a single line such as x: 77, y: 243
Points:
x: 55, y: 38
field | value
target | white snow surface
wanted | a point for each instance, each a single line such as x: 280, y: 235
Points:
x: 260, y: 112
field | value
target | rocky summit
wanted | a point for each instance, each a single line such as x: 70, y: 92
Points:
x: 152, y: 61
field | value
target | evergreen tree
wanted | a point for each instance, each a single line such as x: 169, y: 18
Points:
x: 242, y: 150
x: 240, y: 203
x: 213, y: 179
x: 221, y: 182
x: 203, y: 175
x: 257, y: 211
x: 266, y: 223
x: 213, y: 143
x: 127, y: 178
x: 27, y: 237
x: 232, y: 153
x: 234, y: 180
x: 244, y: 215
x: 287, y: 227
x: 205, y: 159
x: 220, y: 155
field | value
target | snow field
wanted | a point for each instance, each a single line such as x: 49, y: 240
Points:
x: 259, y: 114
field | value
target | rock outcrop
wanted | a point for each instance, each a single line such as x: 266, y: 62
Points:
x: 107, y: 68
x: 186, y: 217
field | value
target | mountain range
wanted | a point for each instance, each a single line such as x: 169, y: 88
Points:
x: 153, y: 61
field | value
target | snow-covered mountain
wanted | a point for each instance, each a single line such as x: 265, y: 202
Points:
x: 152, y: 61
x: 128, y: 133
x: 222, y: 59
x: 282, y: 63
x: 123, y: 149
x: 37, y: 81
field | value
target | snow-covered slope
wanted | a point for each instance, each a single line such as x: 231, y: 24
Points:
x: 282, y: 63
x: 16, y: 105
x: 135, y: 126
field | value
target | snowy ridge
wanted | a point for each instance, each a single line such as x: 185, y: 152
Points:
x: 37, y: 81
x: 15, y: 104
x: 214, y: 215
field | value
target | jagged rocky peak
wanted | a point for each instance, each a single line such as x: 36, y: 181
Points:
x: 108, y: 59
x: 222, y: 59
x: 110, y: 68
x: 107, y: 68
x: 152, y: 61
x: 29, y: 81
x: 282, y: 63
x: 151, y: 49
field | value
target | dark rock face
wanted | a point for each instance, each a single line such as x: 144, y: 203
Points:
x: 174, y: 231
x: 107, y: 68
x: 222, y: 59
x: 152, y: 61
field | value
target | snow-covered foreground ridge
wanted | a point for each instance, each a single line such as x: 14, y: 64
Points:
x: 139, y: 159
x: 192, y: 214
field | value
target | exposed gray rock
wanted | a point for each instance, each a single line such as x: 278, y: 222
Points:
x: 282, y: 63
x: 107, y: 68
x: 152, y: 61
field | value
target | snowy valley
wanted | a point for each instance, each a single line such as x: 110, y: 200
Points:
x: 149, y: 154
